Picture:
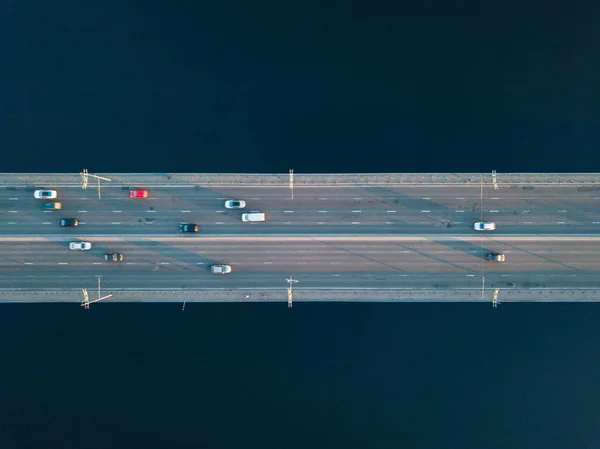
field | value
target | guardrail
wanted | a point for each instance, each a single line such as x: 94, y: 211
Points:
x: 303, y: 180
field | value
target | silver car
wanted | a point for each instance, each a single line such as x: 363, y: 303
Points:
x: 220, y: 269
x: 80, y: 246
x: 235, y: 204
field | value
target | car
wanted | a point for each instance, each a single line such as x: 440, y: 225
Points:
x: 189, y: 227
x: 484, y: 226
x: 51, y: 194
x: 220, y: 269
x: 496, y: 257
x: 80, y: 246
x: 52, y: 206
x: 254, y: 216
x: 113, y: 257
x: 235, y: 204
x: 138, y: 194
x: 68, y: 222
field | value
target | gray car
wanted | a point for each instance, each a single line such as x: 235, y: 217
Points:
x: 220, y: 269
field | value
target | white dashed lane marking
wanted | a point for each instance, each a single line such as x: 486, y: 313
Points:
x: 82, y: 211
x: 186, y: 211
x: 63, y: 263
x: 289, y: 211
x: 425, y: 211
x: 219, y: 222
x: 13, y: 211
x: 390, y: 211
x: 116, y: 222
x: 13, y: 199
x: 116, y: 211
x: 322, y: 211
x: 355, y: 211
x: 46, y: 222
x: 12, y: 222
x: 28, y: 263
x: 494, y: 211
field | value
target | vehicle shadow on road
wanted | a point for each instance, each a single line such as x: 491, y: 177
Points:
x: 476, y: 250
x: 178, y: 258
x: 534, y: 254
x: 438, y: 215
x: 437, y: 259
x: 356, y: 254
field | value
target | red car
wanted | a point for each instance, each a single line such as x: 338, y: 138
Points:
x: 138, y: 194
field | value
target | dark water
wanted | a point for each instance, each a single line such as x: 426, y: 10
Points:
x: 318, y: 87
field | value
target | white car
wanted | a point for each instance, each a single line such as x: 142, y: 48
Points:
x: 220, y: 269
x: 483, y: 226
x: 80, y: 246
x: 235, y: 204
x: 45, y: 194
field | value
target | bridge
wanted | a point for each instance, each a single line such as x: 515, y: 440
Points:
x: 328, y: 237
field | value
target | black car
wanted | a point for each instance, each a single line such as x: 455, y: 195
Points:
x: 68, y: 222
x: 114, y: 257
x: 189, y: 227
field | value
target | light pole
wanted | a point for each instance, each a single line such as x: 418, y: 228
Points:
x: 494, y: 180
x: 86, y: 300
x: 289, y: 291
x: 84, y: 180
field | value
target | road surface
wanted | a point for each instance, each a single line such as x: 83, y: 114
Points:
x: 416, y: 210
x: 325, y: 264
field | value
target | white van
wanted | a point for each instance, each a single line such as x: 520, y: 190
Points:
x: 254, y: 216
